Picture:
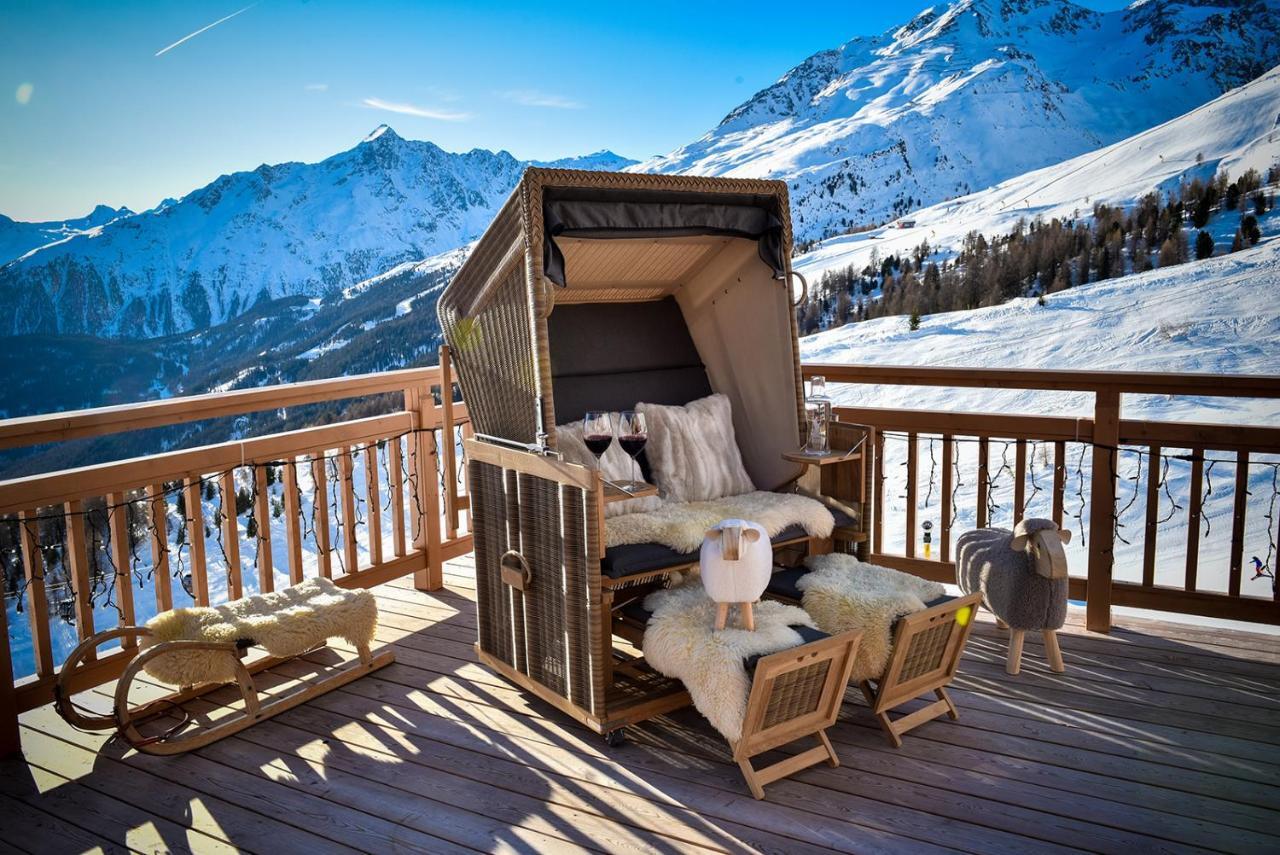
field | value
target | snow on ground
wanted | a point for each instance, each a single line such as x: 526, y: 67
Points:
x: 1233, y: 133
x: 1217, y: 316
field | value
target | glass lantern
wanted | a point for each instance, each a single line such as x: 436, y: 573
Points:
x: 817, y: 416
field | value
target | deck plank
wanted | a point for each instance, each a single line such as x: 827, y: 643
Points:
x: 1158, y: 737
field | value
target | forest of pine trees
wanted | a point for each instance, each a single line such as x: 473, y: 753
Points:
x: 1040, y: 258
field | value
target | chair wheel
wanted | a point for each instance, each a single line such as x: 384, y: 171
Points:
x: 615, y: 738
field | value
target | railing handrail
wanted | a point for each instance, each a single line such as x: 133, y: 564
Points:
x: 1173, y: 434
x: 1041, y: 379
x: 50, y: 488
x: 78, y: 424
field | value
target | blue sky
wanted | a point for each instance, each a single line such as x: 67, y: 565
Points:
x: 90, y: 113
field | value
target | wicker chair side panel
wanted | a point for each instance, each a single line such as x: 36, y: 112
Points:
x: 927, y: 650
x: 796, y: 693
x: 489, y: 534
x: 544, y: 601
x: 512, y: 606
x: 494, y: 355
x: 464, y: 296
x: 580, y: 609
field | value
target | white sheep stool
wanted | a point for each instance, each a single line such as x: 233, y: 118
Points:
x: 736, y: 563
x: 1022, y: 575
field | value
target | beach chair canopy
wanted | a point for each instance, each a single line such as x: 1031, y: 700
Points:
x: 600, y: 290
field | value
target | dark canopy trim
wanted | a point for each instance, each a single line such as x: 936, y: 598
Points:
x: 597, y: 213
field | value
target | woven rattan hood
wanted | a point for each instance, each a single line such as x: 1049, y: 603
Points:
x: 720, y: 247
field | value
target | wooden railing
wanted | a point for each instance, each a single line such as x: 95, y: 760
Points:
x: 361, y: 501
x: 1105, y: 437
x: 386, y: 502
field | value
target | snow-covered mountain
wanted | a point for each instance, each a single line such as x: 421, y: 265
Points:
x: 1233, y: 133
x: 279, y: 231
x: 18, y: 238
x: 971, y: 93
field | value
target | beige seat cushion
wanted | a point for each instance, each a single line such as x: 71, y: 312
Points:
x: 693, y: 452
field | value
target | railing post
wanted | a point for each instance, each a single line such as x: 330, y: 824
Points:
x: 426, y: 499
x: 1102, y: 510
x: 10, y: 744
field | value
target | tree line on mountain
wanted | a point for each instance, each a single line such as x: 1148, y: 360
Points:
x: 1039, y: 258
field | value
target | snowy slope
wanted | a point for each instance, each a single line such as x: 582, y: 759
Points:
x: 18, y: 238
x: 969, y: 94
x: 1235, y: 132
x: 1217, y: 315
x: 278, y: 231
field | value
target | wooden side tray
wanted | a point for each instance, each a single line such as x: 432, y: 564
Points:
x: 824, y: 459
x: 613, y: 494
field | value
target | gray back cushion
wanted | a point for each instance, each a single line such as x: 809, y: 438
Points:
x: 610, y: 356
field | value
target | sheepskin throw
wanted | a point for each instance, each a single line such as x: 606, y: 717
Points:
x: 682, y: 525
x: 285, y: 623
x: 680, y: 641
x: 615, y: 466
x: 842, y: 593
x: 693, y: 452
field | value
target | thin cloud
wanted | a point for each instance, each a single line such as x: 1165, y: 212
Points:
x: 414, y: 110
x: 205, y: 28
x: 317, y: 87
x: 534, y: 98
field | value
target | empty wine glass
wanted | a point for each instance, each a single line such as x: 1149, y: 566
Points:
x: 597, y: 433
x: 632, y: 435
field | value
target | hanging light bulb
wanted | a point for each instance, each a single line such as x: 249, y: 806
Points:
x: 67, y: 610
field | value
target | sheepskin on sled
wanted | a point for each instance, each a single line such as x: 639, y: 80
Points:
x: 842, y: 593
x: 680, y: 641
x: 286, y: 623
x: 682, y: 525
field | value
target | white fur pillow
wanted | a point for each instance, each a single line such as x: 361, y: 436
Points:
x: 692, y: 450
x: 615, y: 465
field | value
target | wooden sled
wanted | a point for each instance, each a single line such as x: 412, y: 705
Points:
x: 126, y: 721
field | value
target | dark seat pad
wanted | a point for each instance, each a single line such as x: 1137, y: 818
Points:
x: 620, y: 561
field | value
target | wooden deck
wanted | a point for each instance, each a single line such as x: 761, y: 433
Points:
x: 1160, y: 737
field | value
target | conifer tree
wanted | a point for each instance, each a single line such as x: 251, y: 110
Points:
x: 1204, y: 245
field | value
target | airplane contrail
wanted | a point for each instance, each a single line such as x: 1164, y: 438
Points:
x: 202, y: 29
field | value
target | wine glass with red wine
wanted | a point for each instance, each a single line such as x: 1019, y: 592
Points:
x: 632, y: 435
x: 597, y: 433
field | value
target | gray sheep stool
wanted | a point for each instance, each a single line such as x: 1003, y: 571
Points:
x: 1022, y: 575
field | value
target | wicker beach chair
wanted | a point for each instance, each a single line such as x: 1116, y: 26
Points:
x: 594, y: 291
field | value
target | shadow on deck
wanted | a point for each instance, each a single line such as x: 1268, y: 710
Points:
x: 1160, y: 736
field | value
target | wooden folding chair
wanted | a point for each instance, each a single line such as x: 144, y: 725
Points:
x: 794, y: 694
x: 927, y: 646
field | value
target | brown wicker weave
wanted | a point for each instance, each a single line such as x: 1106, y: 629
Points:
x: 544, y: 612
x: 494, y: 311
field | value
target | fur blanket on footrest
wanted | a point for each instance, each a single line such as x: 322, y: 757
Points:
x: 286, y: 623
x: 681, y: 641
x: 842, y: 593
x: 682, y: 525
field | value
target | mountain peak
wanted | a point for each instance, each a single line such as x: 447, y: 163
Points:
x: 382, y: 132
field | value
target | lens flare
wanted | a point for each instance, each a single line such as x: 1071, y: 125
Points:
x: 23, y: 95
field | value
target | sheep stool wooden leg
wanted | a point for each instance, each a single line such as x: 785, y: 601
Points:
x: 1014, y: 663
x: 1052, y: 652
x: 722, y: 615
